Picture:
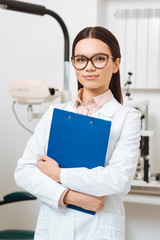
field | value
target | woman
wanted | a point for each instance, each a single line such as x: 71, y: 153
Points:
x: 96, y: 58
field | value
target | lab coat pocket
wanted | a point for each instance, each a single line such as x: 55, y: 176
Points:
x: 111, y: 227
x: 41, y: 232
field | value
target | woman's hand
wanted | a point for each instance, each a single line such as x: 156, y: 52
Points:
x: 49, y: 167
x: 85, y: 201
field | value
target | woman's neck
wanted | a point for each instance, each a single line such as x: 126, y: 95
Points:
x: 91, y: 93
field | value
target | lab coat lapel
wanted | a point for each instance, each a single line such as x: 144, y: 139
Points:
x: 108, y: 110
x: 71, y: 107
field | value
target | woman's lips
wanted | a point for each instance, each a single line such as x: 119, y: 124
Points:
x: 90, y: 77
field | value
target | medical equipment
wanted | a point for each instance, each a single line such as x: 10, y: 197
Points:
x: 31, y: 92
x: 144, y: 153
x: 16, y: 234
x: 144, y: 181
x: 139, y: 187
x: 142, y: 171
x: 128, y: 83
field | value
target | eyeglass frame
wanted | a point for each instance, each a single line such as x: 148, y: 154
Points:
x: 90, y: 59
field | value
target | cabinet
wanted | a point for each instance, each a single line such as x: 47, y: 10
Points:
x: 136, y: 24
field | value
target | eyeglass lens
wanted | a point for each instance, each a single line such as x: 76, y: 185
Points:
x: 98, y: 61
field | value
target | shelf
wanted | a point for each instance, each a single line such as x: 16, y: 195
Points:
x: 142, y: 199
x: 145, y: 193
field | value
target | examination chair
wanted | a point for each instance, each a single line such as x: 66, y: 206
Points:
x: 16, y: 234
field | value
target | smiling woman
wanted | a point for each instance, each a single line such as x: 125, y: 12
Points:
x: 101, y: 40
x: 93, y: 61
x: 96, y: 58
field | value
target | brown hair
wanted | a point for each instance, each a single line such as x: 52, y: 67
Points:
x: 107, y: 37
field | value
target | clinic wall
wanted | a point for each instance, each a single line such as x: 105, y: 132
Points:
x: 31, y: 47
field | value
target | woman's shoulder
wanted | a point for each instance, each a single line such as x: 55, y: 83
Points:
x: 125, y: 109
x: 113, y: 108
x: 61, y: 106
x: 125, y: 116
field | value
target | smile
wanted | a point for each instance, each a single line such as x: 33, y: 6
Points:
x: 90, y: 77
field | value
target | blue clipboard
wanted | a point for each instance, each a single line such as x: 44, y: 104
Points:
x: 78, y: 140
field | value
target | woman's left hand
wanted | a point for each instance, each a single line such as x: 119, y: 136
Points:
x: 49, y: 167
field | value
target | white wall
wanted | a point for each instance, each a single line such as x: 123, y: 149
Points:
x: 142, y: 221
x: 32, y: 47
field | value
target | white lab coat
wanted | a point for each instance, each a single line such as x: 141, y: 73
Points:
x: 113, y: 180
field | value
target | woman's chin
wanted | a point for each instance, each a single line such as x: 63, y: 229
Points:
x: 90, y: 85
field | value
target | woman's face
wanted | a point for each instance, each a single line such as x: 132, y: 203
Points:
x: 90, y: 77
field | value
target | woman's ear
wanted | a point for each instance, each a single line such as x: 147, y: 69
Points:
x: 116, y: 65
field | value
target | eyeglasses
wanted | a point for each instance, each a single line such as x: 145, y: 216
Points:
x: 98, y: 60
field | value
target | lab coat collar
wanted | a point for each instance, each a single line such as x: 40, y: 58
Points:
x: 110, y: 108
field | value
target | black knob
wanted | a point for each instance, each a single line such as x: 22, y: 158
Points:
x: 157, y: 176
x: 52, y: 91
x: 130, y: 74
x: 128, y: 94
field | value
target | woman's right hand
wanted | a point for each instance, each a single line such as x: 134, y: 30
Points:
x: 85, y: 201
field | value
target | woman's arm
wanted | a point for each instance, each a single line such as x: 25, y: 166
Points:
x: 27, y: 174
x: 85, y: 201
x: 51, y: 168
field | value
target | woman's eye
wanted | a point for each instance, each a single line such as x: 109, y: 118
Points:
x: 80, y: 59
x: 100, y: 58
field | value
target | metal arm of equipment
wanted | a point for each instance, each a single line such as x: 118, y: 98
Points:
x: 41, y: 10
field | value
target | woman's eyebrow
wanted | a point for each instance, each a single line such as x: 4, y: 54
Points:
x: 77, y: 55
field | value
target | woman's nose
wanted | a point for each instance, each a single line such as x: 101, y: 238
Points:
x: 90, y: 66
